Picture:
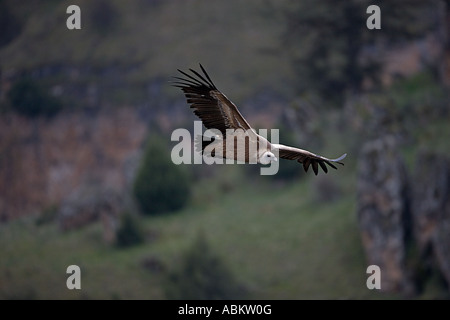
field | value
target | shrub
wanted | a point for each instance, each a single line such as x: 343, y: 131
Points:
x: 160, y: 185
x: 47, y: 215
x: 202, y: 275
x: 129, y: 233
x: 28, y: 98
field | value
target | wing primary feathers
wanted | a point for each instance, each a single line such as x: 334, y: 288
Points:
x: 332, y: 165
x: 185, y: 82
x: 207, y: 76
x: 315, y: 167
x: 323, y: 166
x: 196, y: 81
x: 306, y: 164
x: 211, y: 85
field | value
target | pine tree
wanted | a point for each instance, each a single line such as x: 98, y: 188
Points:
x: 202, y: 275
x: 160, y: 185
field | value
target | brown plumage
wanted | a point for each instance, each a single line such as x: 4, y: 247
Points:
x: 217, y: 112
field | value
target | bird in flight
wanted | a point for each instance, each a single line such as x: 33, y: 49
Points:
x: 218, y: 113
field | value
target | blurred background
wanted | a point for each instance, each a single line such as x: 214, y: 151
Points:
x: 86, y: 178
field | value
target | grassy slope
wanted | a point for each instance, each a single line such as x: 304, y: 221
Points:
x: 283, y: 243
x: 278, y: 241
x: 147, y: 40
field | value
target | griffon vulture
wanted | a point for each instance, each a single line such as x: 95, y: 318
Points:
x: 216, y: 111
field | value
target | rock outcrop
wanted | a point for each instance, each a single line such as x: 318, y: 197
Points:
x: 44, y: 162
x: 400, y: 213
x: 382, y: 211
x: 431, y: 210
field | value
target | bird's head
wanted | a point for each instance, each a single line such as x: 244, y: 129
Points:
x: 267, y: 157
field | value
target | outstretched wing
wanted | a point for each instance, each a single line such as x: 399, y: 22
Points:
x: 209, y: 104
x: 307, y: 158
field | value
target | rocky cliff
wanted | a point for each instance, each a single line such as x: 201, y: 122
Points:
x: 383, y: 210
x: 44, y: 161
x: 404, y: 217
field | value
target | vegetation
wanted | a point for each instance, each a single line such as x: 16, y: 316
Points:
x: 202, y: 275
x: 284, y: 245
x: 29, y: 98
x: 296, y: 240
x: 129, y: 233
x: 48, y: 215
x: 125, y: 47
x: 329, y: 62
x: 160, y: 186
x: 278, y: 250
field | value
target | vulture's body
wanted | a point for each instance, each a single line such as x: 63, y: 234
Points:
x: 235, y: 138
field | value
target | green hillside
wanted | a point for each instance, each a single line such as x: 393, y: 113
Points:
x: 137, y: 41
x: 277, y: 248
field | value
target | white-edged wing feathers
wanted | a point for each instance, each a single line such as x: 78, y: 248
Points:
x: 307, y: 158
